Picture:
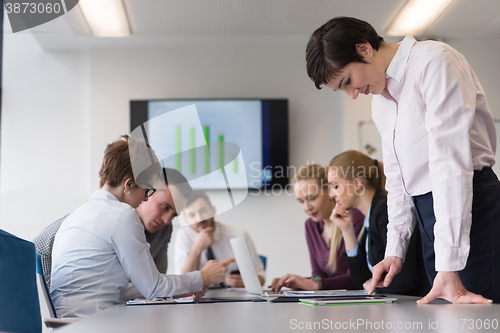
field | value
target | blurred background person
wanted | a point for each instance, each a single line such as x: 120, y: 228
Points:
x: 324, y: 238
x: 206, y: 239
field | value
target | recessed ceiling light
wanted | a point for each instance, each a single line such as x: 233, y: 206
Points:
x: 416, y: 16
x: 106, y: 18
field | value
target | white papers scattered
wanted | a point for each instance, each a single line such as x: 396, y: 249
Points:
x: 161, y: 300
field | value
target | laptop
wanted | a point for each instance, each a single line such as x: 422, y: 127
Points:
x: 247, y: 268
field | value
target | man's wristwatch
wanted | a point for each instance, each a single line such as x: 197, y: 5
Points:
x: 317, y: 279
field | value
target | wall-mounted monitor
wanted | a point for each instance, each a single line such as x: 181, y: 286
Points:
x: 258, y: 126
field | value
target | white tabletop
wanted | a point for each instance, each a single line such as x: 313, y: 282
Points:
x: 405, y: 316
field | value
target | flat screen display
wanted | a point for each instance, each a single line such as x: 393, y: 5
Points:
x: 199, y: 146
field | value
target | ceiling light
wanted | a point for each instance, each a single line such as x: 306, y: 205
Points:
x: 106, y: 18
x: 416, y: 16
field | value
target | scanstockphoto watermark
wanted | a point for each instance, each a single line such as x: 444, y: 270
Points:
x: 349, y: 173
x: 457, y: 324
x: 26, y: 14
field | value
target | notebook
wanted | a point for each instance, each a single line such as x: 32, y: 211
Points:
x: 247, y: 268
x: 327, y: 293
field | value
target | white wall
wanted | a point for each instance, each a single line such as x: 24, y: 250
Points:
x: 204, y: 71
x: 45, y: 134
x: 356, y: 110
x: 76, y: 103
x: 60, y: 109
x: 316, y: 132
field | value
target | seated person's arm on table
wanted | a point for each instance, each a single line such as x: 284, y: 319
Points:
x: 132, y: 251
x: 294, y: 282
x: 235, y: 280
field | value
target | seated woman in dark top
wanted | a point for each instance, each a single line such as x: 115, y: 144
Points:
x: 324, y: 238
x: 358, y: 181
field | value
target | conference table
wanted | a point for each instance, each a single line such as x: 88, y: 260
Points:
x: 403, y: 316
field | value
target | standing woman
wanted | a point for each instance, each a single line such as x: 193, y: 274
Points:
x: 438, y: 140
x: 324, y: 238
x: 358, y: 181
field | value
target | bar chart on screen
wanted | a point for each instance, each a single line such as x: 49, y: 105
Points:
x: 214, y: 155
x: 214, y: 147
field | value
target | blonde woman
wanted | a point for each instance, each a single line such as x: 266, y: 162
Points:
x: 324, y: 238
x: 356, y: 180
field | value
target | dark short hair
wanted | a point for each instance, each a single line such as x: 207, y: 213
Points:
x: 197, y: 194
x: 174, y: 177
x: 333, y: 46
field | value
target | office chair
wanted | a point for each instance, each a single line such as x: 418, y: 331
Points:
x: 44, y: 242
x: 264, y: 260
x: 47, y: 308
x: 19, y: 308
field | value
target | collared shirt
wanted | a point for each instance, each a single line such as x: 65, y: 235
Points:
x: 221, y: 247
x: 158, y: 242
x: 98, y: 250
x: 436, y: 129
x: 354, y: 252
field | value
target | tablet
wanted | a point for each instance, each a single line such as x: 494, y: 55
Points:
x: 348, y: 300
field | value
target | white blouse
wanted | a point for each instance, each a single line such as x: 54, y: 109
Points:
x: 98, y: 250
x: 436, y: 129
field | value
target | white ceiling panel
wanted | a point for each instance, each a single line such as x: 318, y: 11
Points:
x: 77, y: 22
x: 466, y: 19
x: 248, y: 18
x: 166, y: 22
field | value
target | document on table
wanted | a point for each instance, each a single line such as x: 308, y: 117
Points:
x: 161, y: 300
x: 326, y: 293
x: 348, y: 300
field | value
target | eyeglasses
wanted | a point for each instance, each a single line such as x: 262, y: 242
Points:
x: 150, y: 190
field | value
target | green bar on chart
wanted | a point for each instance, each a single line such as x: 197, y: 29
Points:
x: 206, y: 131
x: 192, y: 146
x: 235, y: 165
x: 178, y: 148
x: 221, y: 152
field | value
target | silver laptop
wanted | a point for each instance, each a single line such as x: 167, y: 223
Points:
x: 247, y: 268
